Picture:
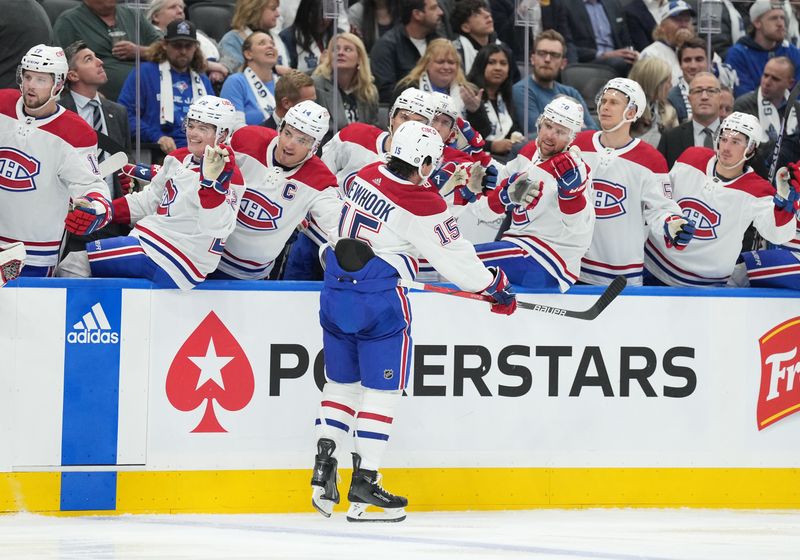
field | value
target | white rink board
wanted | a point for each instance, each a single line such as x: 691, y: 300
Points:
x: 713, y: 425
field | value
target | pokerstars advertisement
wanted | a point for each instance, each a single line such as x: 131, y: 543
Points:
x: 235, y: 377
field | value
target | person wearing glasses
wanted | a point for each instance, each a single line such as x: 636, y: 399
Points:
x: 704, y: 100
x: 547, y: 60
x: 285, y: 183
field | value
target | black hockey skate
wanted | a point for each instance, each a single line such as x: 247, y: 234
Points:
x: 325, y: 493
x: 365, y: 491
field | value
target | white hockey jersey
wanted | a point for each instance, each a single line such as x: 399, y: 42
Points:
x: 722, y: 211
x: 352, y: 149
x: 275, y: 203
x: 43, y: 164
x: 631, y: 192
x: 181, y: 231
x: 555, y: 233
x: 403, y: 222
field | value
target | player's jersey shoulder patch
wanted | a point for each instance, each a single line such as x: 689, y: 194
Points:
x: 253, y: 141
x: 648, y: 157
x: 71, y: 128
x: 362, y: 134
x: 697, y: 157
x: 528, y: 150
x: 8, y: 102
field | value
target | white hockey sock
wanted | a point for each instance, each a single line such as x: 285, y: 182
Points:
x: 374, y: 425
x: 337, y: 411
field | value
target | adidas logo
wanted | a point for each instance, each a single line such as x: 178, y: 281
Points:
x: 94, y: 328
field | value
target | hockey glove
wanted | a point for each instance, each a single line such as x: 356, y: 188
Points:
x: 12, y: 259
x: 217, y: 168
x: 569, y: 172
x: 787, y: 182
x: 451, y: 176
x: 678, y: 231
x: 490, y: 178
x: 516, y: 192
x: 474, y: 140
x: 136, y: 171
x: 89, y: 213
x: 505, y: 300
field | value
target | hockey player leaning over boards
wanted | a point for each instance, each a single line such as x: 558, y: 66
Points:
x: 631, y: 190
x: 285, y: 182
x: 48, y: 160
x: 545, y: 189
x: 722, y: 195
x: 181, y: 221
x: 366, y: 317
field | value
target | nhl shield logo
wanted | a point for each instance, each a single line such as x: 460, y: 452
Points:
x: 17, y: 170
x: 779, y: 395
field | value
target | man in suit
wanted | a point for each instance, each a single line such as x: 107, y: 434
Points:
x: 600, y: 34
x: 704, y: 98
x: 109, y: 119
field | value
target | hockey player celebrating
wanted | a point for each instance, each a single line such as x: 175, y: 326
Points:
x: 12, y: 259
x: 631, y: 190
x: 48, y: 164
x: 285, y: 182
x: 546, y: 193
x: 390, y: 219
x: 181, y: 221
x: 722, y: 196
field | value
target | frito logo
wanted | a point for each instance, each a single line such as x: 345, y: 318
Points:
x: 779, y: 395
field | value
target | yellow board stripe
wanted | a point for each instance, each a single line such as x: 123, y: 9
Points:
x: 288, y: 491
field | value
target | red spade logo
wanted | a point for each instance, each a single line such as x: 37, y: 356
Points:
x: 211, y: 365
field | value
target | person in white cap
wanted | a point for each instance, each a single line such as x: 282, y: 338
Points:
x: 722, y: 196
x: 631, y: 190
x: 390, y: 219
x: 49, y: 176
x: 551, y: 230
x: 750, y: 54
x: 181, y: 221
x: 285, y: 183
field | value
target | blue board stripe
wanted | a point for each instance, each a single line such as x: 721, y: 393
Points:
x: 86, y: 491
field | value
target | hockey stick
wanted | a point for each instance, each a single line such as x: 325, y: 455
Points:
x: 611, y: 292
x: 112, y: 164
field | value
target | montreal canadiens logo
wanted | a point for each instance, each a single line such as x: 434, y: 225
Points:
x: 258, y: 212
x: 17, y: 170
x: 705, y: 218
x: 520, y: 216
x: 608, y: 199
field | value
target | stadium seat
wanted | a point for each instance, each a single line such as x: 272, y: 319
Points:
x: 54, y: 8
x: 213, y: 18
x: 588, y: 79
x: 383, y: 116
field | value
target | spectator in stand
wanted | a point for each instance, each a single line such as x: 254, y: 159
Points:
x: 700, y: 129
x: 358, y: 96
x: 692, y: 58
x: 396, y: 53
x: 725, y: 102
x: 162, y: 12
x: 732, y: 29
x: 169, y: 83
x: 474, y: 28
x: 252, y: 91
x: 750, y: 54
x: 291, y: 89
x: 496, y: 118
x: 600, y: 34
x: 307, y: 37
x: 641, y: 17
x: 369, y: 19
x: 250, y: 16
x: 769, y: 105
x: 24, y: 25
x: 109, y: 30
x: 654, y: 76
x: 554, y: 16
x: 547, y: 60
x: 672, y: 31
x: 440, y: 70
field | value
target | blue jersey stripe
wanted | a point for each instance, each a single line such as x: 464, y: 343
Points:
x: 371, y: 435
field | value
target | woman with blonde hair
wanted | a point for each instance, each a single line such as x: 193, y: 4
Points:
x: 250, y: 16
x: 252, y: 90
x: 655, y: 77
x: 439, y: 69
x: 358, y: 96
